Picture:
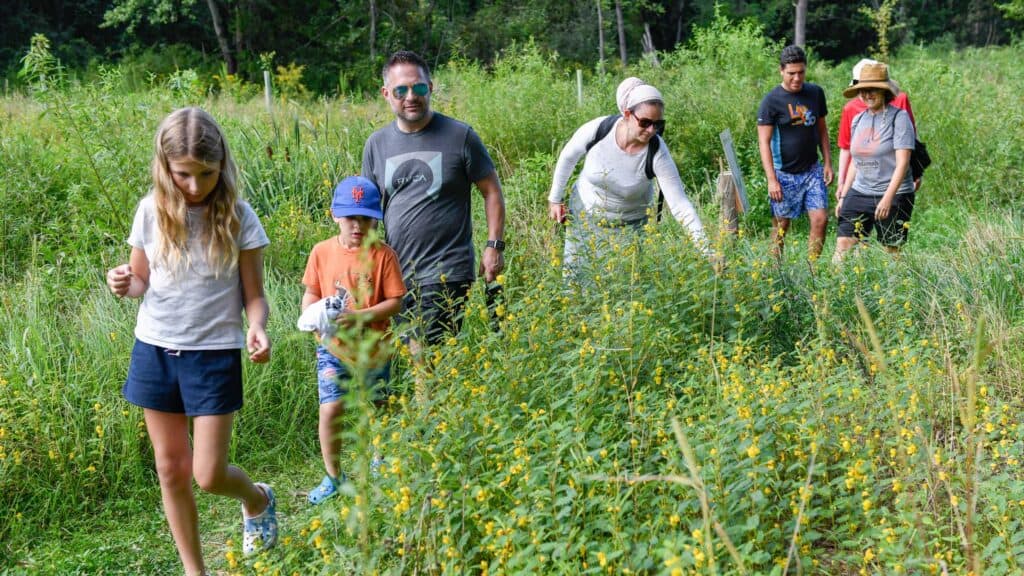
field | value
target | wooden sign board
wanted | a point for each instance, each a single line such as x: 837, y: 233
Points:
x: 734, y: 167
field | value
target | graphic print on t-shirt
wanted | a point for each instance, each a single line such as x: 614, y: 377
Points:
x: 415, y: 171
x: 801, y: 115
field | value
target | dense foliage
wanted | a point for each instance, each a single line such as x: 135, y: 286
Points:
x: 341, y: 44
x: 775, y: 417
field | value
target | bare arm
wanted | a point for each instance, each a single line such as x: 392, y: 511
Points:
x: 902, y: 165
x: 764, y: 144
x: 826, y: 149
x: 250, y: 269
x: 494, y: 207
x: 382, y: 310
x: 844, y: 165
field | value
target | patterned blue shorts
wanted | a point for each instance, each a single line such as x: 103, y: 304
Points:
x: 801, y: 193
x: 333, y: 376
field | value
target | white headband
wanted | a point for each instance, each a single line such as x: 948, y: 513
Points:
x: 633, y: 91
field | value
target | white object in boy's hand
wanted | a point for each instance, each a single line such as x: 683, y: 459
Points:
x: 321, y: 316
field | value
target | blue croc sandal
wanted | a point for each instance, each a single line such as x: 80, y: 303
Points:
x: 260, y: 532
x: 328, y: 488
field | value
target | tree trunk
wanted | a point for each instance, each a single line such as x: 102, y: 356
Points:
x: 679, y: 23
x: 222, y: 37
x: 622, y: 33
x: 428, y: 19
x: 800, y: 29
x: 600, y: 38
x: 648, y: 44
x: 373, y: 32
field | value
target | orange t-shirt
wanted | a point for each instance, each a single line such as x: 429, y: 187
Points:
x: 371, y: 274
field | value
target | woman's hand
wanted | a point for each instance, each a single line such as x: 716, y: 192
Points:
x: 883, y: 208
x: 556, y: 210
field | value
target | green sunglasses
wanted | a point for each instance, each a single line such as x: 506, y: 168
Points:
x: 419, y: 89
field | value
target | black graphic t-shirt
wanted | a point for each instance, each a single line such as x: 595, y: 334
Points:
x: 794, y: 117
x: 426, y: 181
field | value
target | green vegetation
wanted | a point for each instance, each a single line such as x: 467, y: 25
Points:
x: 860, y: 419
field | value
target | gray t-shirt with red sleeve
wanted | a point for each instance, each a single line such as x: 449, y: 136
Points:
x: 874, y: 140
x: 199, y: 307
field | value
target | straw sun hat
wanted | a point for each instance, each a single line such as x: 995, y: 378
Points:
x: 872, y: 76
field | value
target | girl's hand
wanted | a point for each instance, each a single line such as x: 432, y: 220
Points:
x: 119, y: 280
x: 258, y: 344
x: 883, y: 208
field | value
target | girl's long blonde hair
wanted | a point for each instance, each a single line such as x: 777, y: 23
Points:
x: 191, y: 133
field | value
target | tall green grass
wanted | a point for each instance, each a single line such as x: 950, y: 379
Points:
x: 876, y: 401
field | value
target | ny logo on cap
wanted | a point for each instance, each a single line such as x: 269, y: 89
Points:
x: 357, y: 194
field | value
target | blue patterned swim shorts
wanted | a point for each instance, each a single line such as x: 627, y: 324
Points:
x: 801, y: 193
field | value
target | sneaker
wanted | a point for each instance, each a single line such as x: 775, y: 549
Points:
x: 260, y: 532
x: 328, y: 488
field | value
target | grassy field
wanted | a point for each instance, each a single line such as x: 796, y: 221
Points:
x: 774, y: 418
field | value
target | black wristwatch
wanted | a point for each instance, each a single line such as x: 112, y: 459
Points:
x: 498, y: 245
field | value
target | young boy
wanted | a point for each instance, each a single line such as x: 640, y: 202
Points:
x: 368, y: 278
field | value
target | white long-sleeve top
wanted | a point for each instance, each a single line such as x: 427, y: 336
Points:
x: 614, y: 184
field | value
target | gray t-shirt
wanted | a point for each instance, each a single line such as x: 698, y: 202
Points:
x: 874, y: 138
x: 426, y: 178
x: 195, y: 309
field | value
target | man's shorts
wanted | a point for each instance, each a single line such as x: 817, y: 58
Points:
x: 333, y: 376
x: 857, y: 218
x: 432, y: 312
x: 801, y: 193
x: 190, y: 382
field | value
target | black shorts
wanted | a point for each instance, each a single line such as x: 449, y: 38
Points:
x: 433, y: 311
x: 857, y: 218
x: 191, y: 382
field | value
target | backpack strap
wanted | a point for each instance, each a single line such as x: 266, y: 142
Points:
x: 603, y: 129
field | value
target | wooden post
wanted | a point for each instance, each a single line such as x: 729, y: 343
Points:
x: 729, y: 201
x: 268, y: 93
x: 579, y: 87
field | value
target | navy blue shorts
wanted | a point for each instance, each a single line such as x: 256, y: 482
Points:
x: 435, y: 311
x: 190, y: 382
x: 333, y: 376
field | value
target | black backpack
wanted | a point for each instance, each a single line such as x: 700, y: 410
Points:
x: 652, y: 148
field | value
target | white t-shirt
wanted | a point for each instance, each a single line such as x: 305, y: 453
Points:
x: 614, y: 184
x: 196, y: 309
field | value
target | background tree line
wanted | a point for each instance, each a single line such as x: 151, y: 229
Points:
x: 342, y: 43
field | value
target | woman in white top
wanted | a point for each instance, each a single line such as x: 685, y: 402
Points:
x: 611, y: 198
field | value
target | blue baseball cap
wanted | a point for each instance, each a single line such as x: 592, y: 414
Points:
x: 356, y: 196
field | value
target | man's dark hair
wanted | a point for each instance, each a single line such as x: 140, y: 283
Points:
x: 406, y: 57
x: 792, y: 55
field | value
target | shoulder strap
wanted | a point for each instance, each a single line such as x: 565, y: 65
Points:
x: 603, y: 129
x: 652, y: 150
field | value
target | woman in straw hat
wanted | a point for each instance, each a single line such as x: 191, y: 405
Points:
x: 878, y: 189
x: 610, y: 200
x: 854, y: 107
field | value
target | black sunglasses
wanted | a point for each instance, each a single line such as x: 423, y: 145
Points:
x: 645, y: 123
x: 419, y: 89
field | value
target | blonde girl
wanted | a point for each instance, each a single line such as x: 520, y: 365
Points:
x: 196, y: 262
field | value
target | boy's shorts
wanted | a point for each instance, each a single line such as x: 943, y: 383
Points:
x: 801, y: 193
x: 332, y: 376
x: 435, y: 311
x: 190, y: 382
x: 857, y: 218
